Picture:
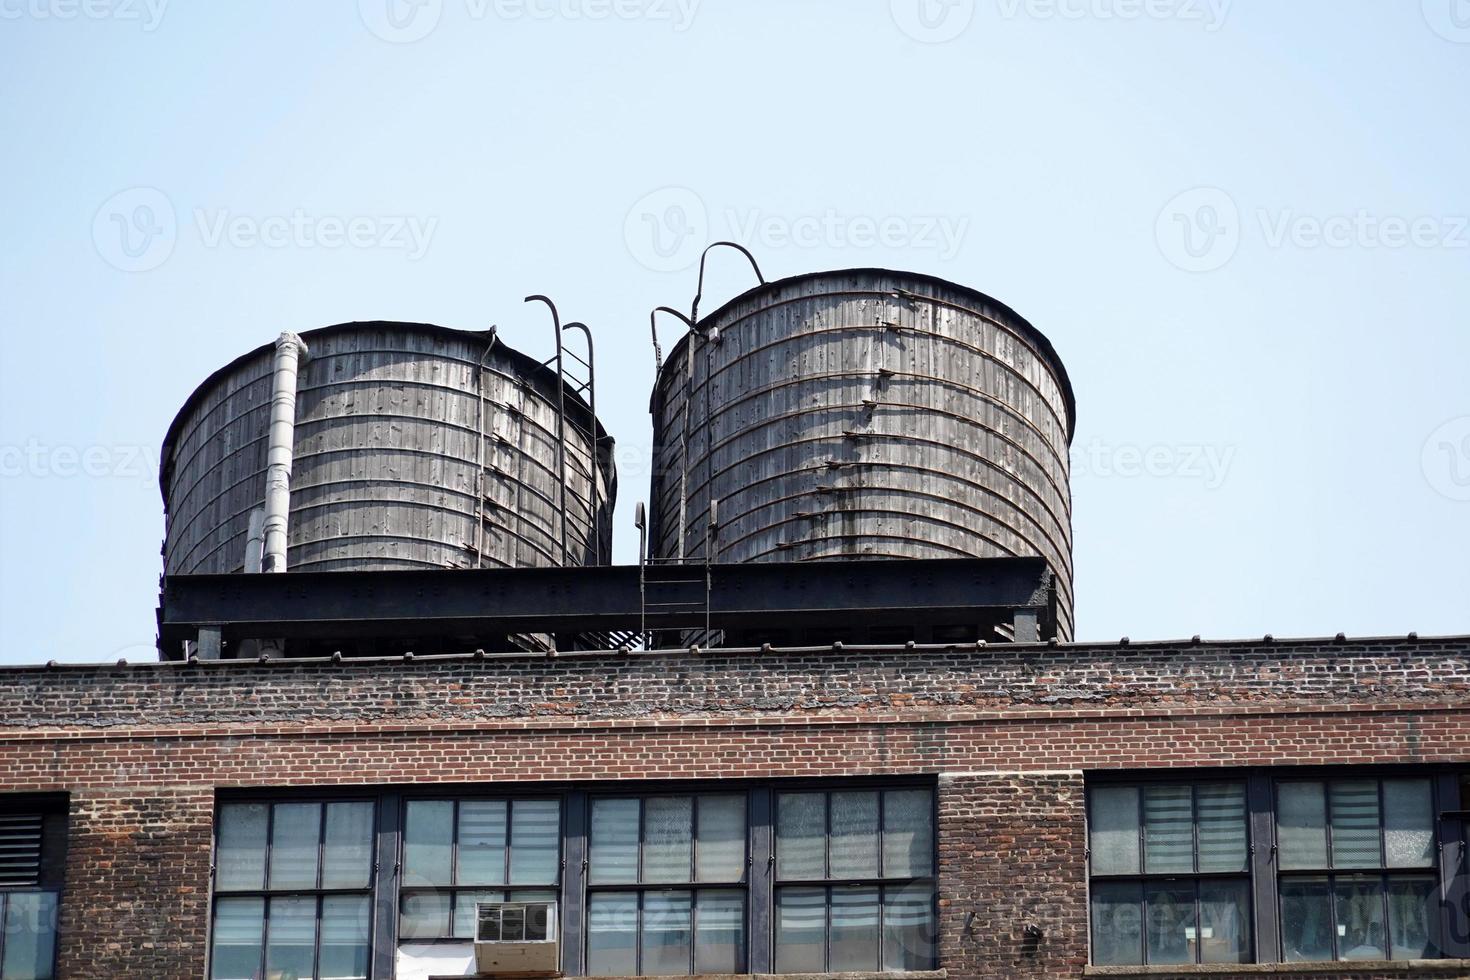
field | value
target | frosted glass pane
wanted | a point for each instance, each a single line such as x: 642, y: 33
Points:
x: 721, y: 852
x: 347, y: 852
x: 719, y: 936
x: 240, y: 857
x: 1223, y: 840
x: 1301, y: 825
x: 854, y: 846
x: 1113, y: 820
x: 612, y: 934
x: 1168, y: 829
x: 295, y: 837
x: 855, y: 930
x: 1356, y: 825
x: 801, y: 835
x: 668, y: 839
x: 1169, y: 912
x: 239, y: 938
x: 801, y: 930
x: 613, y: 856
x: 291, y: 937
x: 1117, y: 924
x: 1360, y: 931
x: 1306, y: 920
x: 30, y: 935
x: 482, y: 829
x: 1408, y: 823
x: 428, y: 837
x: 344, y: 948
x: 1225, y: 921
x: 908, y: 928
x: 666, y: 934
x: 425, y: 916
x: 535, y: 842
x: 908, y: 833
x: 1413, y: 907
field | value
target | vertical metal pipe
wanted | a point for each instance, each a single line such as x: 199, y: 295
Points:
x: 255, y: 542
x: 290, y: 352
x: 561, y: 417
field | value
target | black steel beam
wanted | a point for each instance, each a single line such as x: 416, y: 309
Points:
x: 463, y: 602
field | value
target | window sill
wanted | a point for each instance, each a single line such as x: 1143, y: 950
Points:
x: 1417, y: 968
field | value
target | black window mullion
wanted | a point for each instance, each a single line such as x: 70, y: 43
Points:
x: 1262, y: 867
x: 573, y: 892
x: 316, y: 939
x: 383, y: 934
x: 1452, y: 939
x: 760, y: 882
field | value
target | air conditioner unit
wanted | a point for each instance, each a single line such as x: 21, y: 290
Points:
x: 517, y: 937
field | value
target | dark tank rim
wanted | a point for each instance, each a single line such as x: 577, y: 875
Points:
x: 1023, y: 326
x: 531, y: 367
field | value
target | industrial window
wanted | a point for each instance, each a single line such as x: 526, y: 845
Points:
x: 293, y: 890
x: 32, y: 845
x: 1170, y: 869
x: 1357, y: 869
x: 666, y: 879
x: 459, y: 852
x: 855, y: 883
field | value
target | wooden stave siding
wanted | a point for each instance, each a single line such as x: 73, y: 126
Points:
x: 386, y: 414
x: 970, y: 438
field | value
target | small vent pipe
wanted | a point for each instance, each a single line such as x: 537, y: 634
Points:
x: 290, y: 353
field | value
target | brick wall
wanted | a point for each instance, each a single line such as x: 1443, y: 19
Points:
x: 141, y: 750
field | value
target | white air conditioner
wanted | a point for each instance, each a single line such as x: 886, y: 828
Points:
x: 517, y: 937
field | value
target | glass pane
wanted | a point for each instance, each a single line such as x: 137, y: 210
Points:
x: 666, y: 934
x: 535, y: 842
x: 1408, y: 823
x: 1413, y: 908
x: 347, y: 854
x: 296, y: 833
x: 240, y: 861
x: 720, y: 855
x: 1301, y: 825
x: 801, y: 835
x: 345, y: 926
x: 291, y: 937
x: 1168, y: 830
x: 482, y: 827
x: 1113, y: 820
x: 425, y: 916
x: 30, y: 936
x: 668, y: 839
x: 719, y: 930
x: 464, y: 910
x: 1172, y: 932
x: 854, y: 844
x: 1360, y: 932
x: 908, y: 833
x: 1356, y: 825
x: 1225, y: 922
x: 428, y: 838
x: 908, y: 928
x: 1117, y: 923
x: 239, y: 938
x: 854, y: 941
x: 1306, y: 920
x: 612, y: 934
x: 1223, y: 845
x: 614, y: 848
x: 801, y: 930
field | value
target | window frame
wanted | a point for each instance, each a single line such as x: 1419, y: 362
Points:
x: 319, y: 894
x: 53, y: 810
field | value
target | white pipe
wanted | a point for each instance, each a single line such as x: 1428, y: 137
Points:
x: 255, y: 541
x: 290, y: 352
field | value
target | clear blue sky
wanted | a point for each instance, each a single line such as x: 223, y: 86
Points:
x: 1242, y: 225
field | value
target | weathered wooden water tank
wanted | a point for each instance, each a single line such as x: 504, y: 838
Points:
x: 415, y: 446
x: 864, y: 414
